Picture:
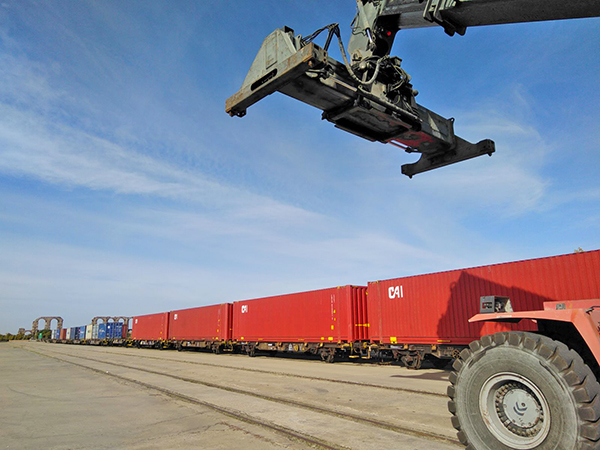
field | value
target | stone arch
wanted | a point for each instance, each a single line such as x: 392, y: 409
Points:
x: 104, y: 319
x: 47, y: 324
x: 123, y: 318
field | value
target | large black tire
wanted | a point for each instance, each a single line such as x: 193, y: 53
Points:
x: 522, y: 390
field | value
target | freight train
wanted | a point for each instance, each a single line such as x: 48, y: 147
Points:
x: 410, y: 319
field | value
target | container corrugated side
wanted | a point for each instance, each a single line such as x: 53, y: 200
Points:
x: 152, y: 327
x: 205, y: 323
x: 435, y: 308
x: 326, y: 315
x: 102, y: 331
x: 88, y: 332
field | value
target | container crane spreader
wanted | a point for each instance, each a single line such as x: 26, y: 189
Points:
x: 369, y: 94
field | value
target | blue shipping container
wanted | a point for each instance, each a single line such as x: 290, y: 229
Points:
x: 110, y: 330
x: 114, y: 330
x: 101, y: 331
x: 82, y: 332
x: 118, y: 330
x: 74, y: 333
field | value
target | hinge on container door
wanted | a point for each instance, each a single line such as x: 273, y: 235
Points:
x: 432, y: 13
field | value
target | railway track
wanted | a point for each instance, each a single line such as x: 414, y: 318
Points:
x: 271, y: 399
x: 283, y: 374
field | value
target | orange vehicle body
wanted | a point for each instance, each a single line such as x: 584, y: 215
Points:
x: 583, y: 314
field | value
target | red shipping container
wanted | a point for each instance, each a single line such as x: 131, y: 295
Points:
x: 151, y: 327
x: 63, y: 333
x: 435, y: 308
x: 206, y: 323
x: 327, y: 315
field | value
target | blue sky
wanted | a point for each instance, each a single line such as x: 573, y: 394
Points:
x: 125, y: 188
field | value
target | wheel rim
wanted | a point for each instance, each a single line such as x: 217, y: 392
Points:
x: 515, y: 410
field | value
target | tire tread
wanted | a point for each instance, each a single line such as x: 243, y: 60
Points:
x: 576, y: 374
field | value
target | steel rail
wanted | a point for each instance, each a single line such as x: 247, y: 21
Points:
x: 314, y: 408
x: 310, y: 440
x: 286, y: 374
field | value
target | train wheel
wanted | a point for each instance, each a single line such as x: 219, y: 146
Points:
x: 524, y: 391
x: 328, y: 355
x: 413, y: 360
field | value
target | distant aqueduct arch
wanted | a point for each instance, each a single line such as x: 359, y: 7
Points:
x: 124, y: 318
x: 115, y: 319
x: 47, y: 324
x: 59, y: 322
x: 102, y: 318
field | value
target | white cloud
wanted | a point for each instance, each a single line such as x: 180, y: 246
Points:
x: 511, y: 182
x: 30, y: 145
x: 80, y: 283
x: 25, y: 83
